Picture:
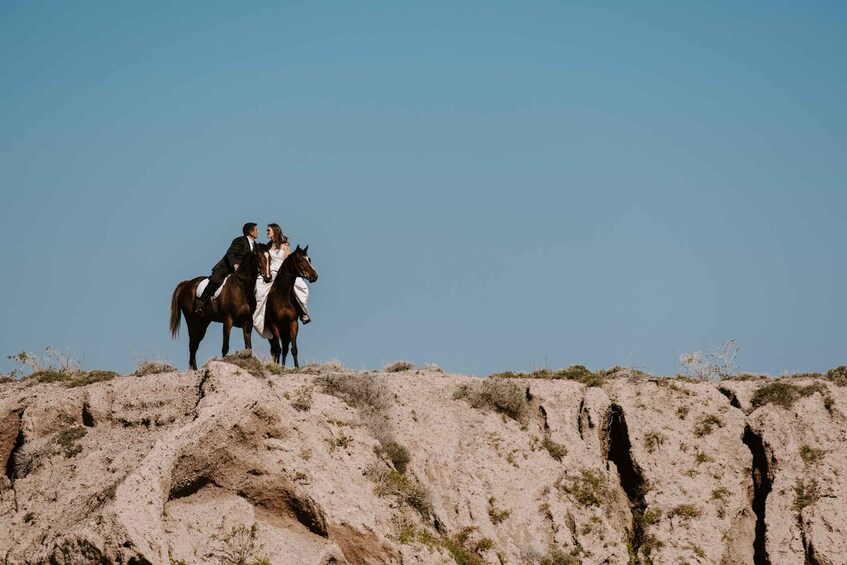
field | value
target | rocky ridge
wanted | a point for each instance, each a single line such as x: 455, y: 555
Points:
x: 235, y: 464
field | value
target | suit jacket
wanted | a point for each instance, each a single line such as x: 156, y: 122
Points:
x: 238, y: 250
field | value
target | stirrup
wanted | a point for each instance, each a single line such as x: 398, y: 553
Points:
x: 305, y: 319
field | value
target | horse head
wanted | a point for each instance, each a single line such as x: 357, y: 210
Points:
x: 263, y: 262
x: 303, y: 264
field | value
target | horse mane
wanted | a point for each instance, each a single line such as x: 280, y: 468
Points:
x: 286, y: 263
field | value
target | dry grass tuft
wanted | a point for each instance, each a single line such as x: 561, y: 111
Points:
x: 302, y: 400
x: 503, y: 396
x: 398, y: 367
x: 576, y: 373
x: 390, y: 482
x: 152, y: 367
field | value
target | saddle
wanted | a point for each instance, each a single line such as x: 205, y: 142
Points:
x: 204, y: 283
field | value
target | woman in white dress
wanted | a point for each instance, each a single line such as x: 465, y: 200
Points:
x: 278, y: 250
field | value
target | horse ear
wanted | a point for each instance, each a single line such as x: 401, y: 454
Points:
x: 297, y: 248
x: 306, y: 250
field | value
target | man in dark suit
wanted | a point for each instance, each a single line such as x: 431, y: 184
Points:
x: 238, y: 250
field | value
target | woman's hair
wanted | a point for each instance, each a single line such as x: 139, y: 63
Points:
x: 278, y: 238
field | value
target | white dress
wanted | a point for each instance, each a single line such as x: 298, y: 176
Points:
x: 301, y: 292
x: 277, y: 256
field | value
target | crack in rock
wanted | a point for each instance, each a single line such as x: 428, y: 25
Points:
x: 619, y: 452
x: 762, y: 482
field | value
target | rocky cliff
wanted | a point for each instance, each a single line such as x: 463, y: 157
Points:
x: 242, y: 464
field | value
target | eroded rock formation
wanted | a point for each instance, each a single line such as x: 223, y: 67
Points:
x: 220, y: 465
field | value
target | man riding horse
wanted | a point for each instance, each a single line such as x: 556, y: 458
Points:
x: 238, y: 250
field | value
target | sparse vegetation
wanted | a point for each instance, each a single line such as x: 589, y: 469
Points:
x: 396, y: 453
x: 398, y: 367
x: 682, y: 411
x: 717, y: 364
x: 556, y: 450
x: 465, y: 547
x: 390, y: 482
x: 811, y: 455
x: 837, y: 375
x: 505, y: 397
x: 785, y: 393
x: 556, y: 556
x: 702, y: 458
x: 706, y: 424
x: 152, y: 367
x: 805, y: 493
x: 576, y: 373
x: 302, y: 399
x: 589, y: 489
x: 91, y: 377
x: 686, y: 511
x: 56, y: 367
x: 238, y: 547
x: 720, y: 494
x: 359, y: 391
x: 649, y: 544
x: 494, y: 513
x: 652, y: 441
x: 66, y: 440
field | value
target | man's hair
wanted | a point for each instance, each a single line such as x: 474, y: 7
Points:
x: 248, y: 227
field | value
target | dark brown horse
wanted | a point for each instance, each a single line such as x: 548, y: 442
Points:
x: 234, y: 306
x: 283, y: 310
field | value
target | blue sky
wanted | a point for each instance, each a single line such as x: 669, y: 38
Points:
x: 484, y: 185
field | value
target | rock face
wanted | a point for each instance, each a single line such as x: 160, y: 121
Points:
x: 326, y: 465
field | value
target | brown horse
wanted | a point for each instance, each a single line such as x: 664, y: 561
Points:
x: 283, y: 310
x: 234, y: 306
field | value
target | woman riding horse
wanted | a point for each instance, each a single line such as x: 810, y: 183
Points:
x: 283, y: 309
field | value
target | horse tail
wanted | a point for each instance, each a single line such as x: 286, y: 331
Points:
x: 175, y: 317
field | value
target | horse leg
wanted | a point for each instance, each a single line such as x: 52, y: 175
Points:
x: 276, y: 350
x: 196, y: 333
x: 248, y: 334
x: 293, y: 328
x: 285, y: 338
x: 227, y: 329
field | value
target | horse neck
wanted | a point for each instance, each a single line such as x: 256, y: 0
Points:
x: 284, y: 281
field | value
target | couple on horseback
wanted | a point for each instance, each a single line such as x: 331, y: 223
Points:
x: 254, y: 285
x: 276, y: 250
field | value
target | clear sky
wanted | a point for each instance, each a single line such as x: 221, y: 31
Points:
x: 487, y: 186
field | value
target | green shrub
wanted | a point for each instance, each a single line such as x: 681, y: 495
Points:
x: 784, y: 393
x: 396, y: 453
